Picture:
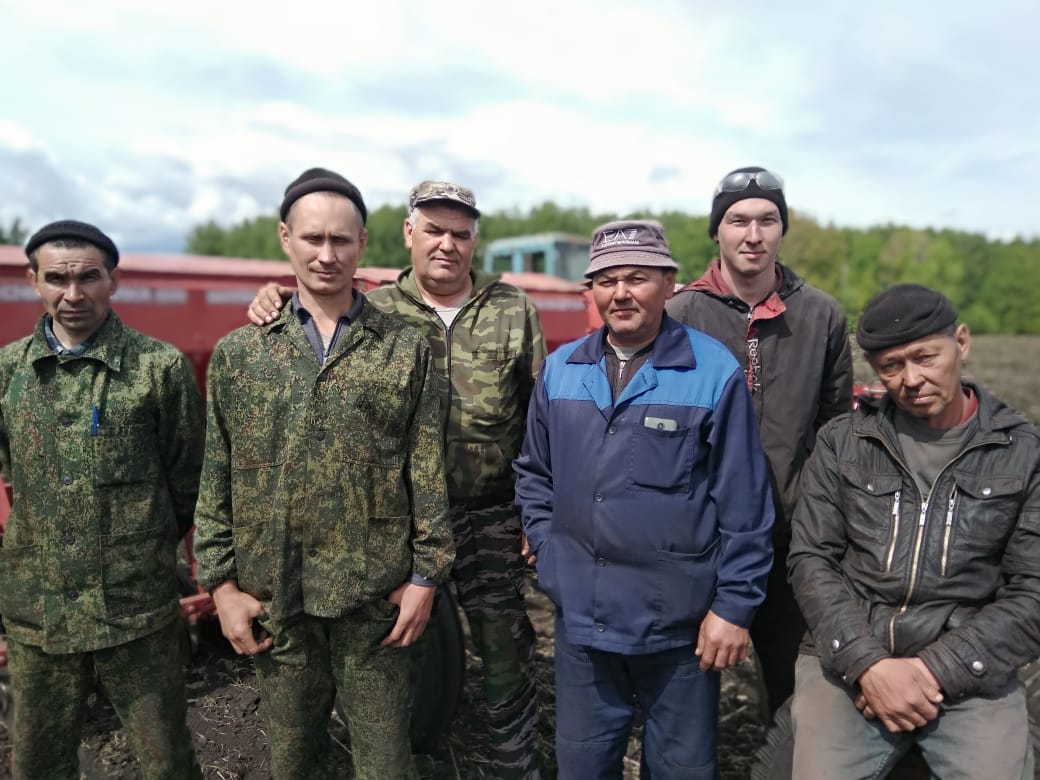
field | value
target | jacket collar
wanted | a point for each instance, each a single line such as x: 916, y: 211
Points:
x: 671, y: 347
x: 481, y: 281
x: 107, y: 346
x: 994, y: 417
x: 712, y: 283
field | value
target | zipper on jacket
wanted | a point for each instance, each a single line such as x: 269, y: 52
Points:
x: 949, y: 527
x: 895, y: 531
x: 918, y: 540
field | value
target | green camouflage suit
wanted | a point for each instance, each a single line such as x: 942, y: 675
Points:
x: 89, y: 553
x: 322, y: 491
x: 486, y: 364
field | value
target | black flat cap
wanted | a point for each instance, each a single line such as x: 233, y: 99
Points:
x: 70, y: 228
x: 322, y: 180
x: 901, y: 314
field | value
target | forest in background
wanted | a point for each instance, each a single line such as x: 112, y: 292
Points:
x: 990, y: 281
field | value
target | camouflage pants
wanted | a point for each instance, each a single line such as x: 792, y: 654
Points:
x: 311, y: 660
x: 144, y: 680
x: 488, y: 576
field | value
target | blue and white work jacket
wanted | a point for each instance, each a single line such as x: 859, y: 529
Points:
x: 649, y: 511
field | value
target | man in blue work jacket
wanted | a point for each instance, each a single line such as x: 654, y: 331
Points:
x: 646, y: 502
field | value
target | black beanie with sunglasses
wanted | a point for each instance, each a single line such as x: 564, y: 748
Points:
x: 723, y: 200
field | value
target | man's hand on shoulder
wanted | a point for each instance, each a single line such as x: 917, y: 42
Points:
x: 270, y: 298
x: 902, y: 692
x: 721, y: 644
x: 415, y: 603
x: 236, y: 611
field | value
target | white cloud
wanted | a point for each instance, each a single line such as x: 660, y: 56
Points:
x: 155, y: 118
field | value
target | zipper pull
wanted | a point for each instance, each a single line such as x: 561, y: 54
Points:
x: 924, y: 511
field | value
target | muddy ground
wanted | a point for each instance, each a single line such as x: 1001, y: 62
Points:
x: 225, y: 712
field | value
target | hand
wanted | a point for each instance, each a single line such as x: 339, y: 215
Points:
x: 525, y: 551
x: 415, y: 603
x: 902, y: 692
x: 237, y: 611
x: 270, y: 298
x: 720, y: 644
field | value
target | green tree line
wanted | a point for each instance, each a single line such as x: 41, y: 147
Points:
x: 992, y: 282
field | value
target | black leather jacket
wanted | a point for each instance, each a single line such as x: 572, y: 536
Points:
x: 952, y: 577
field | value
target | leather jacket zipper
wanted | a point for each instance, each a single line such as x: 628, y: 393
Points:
x: 918, y: 539
x: 949, y: 528
x: 895, y: 531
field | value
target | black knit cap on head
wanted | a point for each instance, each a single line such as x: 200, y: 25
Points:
x: 70, y: 228
x: 901, y: 314
x: 721, y: 202
x: 322, y: 180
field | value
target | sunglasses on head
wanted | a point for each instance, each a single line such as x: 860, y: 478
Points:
x: 739, y: 181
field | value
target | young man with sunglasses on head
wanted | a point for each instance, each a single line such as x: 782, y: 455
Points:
x: 792, y: 340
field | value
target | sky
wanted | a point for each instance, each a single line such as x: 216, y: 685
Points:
x: 149, y: 119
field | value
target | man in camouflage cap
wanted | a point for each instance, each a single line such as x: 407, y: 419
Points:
x: 101, y: 438
x: 487, y: 348
x: 322, y: 516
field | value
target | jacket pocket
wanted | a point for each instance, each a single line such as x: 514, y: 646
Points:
x: 685, y: 586
x: 872, y: 506
x: 662, y: 460
x: 981, y: 516
x: 21, y: 595
x: 125, y: 454
x: 138, y: 571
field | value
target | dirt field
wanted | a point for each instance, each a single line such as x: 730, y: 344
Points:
x: 225, y: 709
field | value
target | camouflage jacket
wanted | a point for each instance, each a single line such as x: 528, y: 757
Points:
x: 89, y: 553
x: 486, y: 364
x: 322, y: 486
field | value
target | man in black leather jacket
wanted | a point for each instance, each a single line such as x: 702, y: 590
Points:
x: 915, y: 559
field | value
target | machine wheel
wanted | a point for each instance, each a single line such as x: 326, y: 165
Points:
x: 437, y: 678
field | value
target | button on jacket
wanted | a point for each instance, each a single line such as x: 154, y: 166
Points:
x: 323, y: 486
x: 952, y: 577
x: 647, y: 511
x: 103, y: 452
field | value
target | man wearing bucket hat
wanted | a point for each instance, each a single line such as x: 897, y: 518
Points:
x: 792, y: 340
x: 645, y: 497
x: 915, y: 557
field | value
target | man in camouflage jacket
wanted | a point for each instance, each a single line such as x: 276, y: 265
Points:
x: 101, y: 437
x: 321, y: 521
x: 487, y: 347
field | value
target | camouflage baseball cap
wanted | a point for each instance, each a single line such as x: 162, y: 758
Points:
x: 428, y: 191
x: 629, y: 242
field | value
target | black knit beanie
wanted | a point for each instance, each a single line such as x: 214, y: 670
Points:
x: 901, y: 314
x: 322, y: 180
x: 70, y: 228
x: 722, y: 201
